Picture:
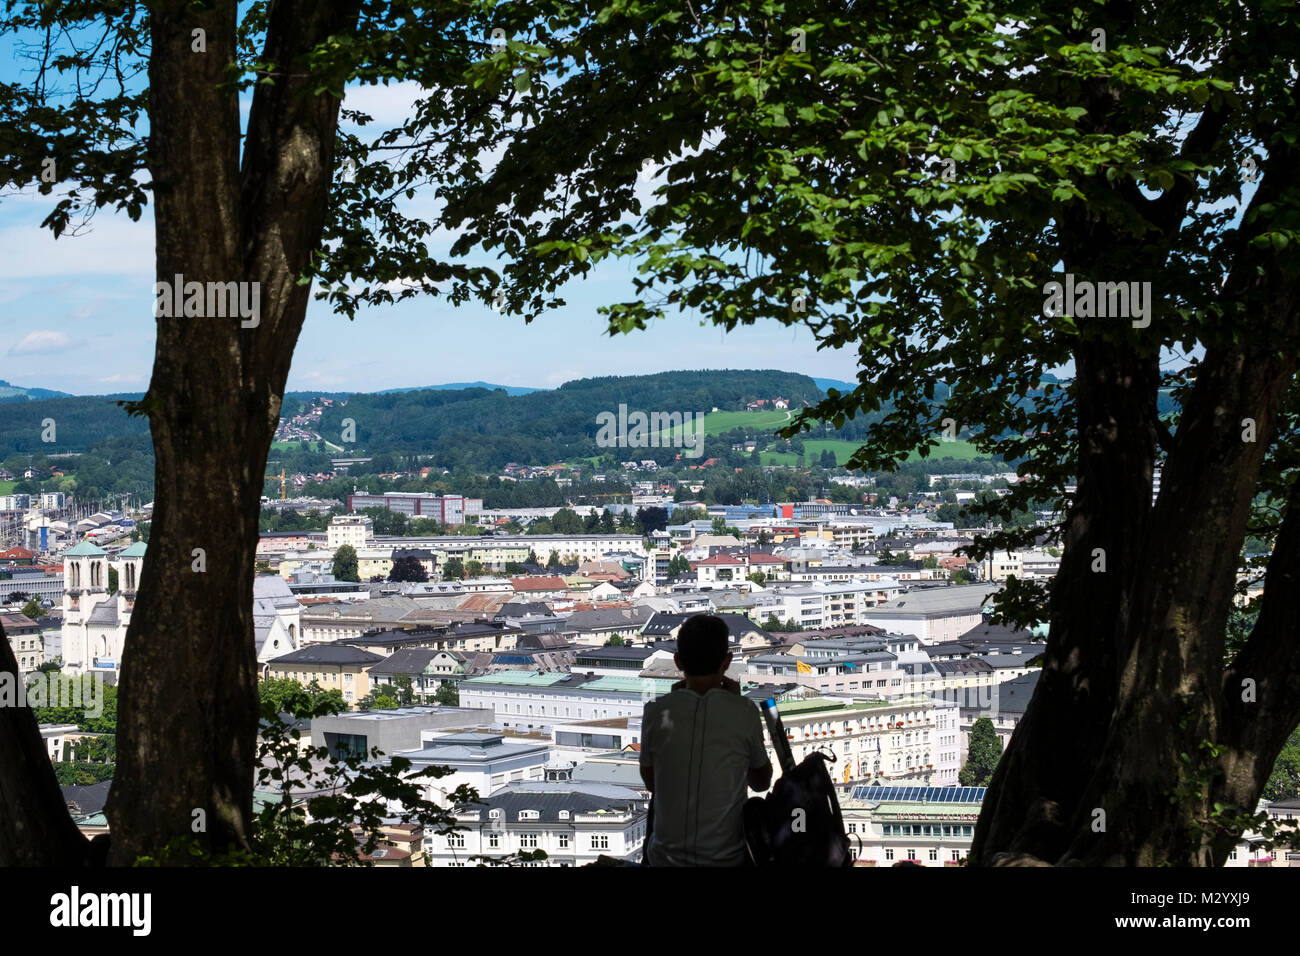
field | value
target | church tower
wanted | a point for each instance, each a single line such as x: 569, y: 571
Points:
x: 85, y: 585
x: 128, y: 575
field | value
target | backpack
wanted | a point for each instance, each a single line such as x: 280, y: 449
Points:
x: 799, y: 822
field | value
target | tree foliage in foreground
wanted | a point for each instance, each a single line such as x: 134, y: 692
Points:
x: 908, y: 181
x: 904, y: 180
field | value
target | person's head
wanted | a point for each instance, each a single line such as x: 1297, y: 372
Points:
x: 702, y: 646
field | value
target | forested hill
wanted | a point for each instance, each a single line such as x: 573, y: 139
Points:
x: 475, y: 426
x: 75, y: 424
x: 481, y: 428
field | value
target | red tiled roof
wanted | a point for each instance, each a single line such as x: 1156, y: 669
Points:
x: 726, y: 559
x: 539, y: 582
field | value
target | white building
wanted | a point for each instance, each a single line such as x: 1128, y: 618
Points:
x: 935, y: 826
x: 929, y: 826
x: 277, y: 618
x: 574, y: 823
x: 94, y: 621
x: 825, y: 604
x: 913, y: 740
x: 357, y: 531
x: 1025, y: 564
x: 524, y: 700
x: 484, y: 761
x: 935, y: 615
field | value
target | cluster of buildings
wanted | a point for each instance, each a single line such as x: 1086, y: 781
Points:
x: 883, y: 666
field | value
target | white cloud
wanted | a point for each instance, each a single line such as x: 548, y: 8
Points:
x: 390, y: 105
x: 115, y: 246
x: 122, y: 379
x: 560, y: 376
x: 42, y: 340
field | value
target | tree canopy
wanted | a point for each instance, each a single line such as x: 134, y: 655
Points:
x: 925, y: 186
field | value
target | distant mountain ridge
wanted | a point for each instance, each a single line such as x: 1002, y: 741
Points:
x: 455, y: 386
x: 477, y: 426
x: 17, y: 393
x: 838, y: 384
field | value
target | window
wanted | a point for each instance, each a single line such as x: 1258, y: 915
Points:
x: 956, y: 855
x: 889, y: 854
x: 853, y: 828
x: 494, y: 841
x: 564, y: 841
x: 456, y: 839
x: 600, y: 841
x: 934, y: 855
x: 527, y: 841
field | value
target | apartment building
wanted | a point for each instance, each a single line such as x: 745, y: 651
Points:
x: 935, y: 615
x: 574, y: 823
x: 24, y: 636
x: 332, y: 666
x: 950, y: 679
x: 1003, y: 703
x: 530, y: 701
x: 448, y: 509
x: 910, y: 739
x: 400, y: 728
x: 326, y: 623
x: 356, y: 531
x: 926, y: 825
x: 599, y: 625
x: 1026, y: 564
x: 482, y: 760
x: 825, y: 604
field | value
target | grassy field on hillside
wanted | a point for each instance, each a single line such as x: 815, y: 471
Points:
x: 6, y: 487
x: 715, y: 423
x: 813, y: 447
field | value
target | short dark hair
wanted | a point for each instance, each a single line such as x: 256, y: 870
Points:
x: 702, y: 644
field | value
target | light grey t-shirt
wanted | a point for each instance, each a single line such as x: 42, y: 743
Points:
x: 701, y: 748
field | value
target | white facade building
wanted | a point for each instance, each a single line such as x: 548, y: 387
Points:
x: 356, y: 531
x: 94, y: 621
x: 911, y: 740
x: 574, y: 823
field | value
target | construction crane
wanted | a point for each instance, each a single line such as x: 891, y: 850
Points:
x: 280, y: 476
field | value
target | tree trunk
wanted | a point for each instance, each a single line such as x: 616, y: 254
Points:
x: 1137, y: 728
x: 187, y: 717
x: 35, y: 828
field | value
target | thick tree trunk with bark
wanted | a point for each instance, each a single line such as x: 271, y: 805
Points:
x: 35, y: 828
x: 1137, y: 728
x: 187, y: 716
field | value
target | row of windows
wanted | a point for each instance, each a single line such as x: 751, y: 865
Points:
x: 529, y: 841
x: 927, y: 829
x: 934, y: 855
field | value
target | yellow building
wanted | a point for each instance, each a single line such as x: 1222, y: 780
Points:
x: 333, y: 666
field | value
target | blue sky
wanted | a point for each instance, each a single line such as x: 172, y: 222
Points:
x: 76, y: 314
x: 77, y: 317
